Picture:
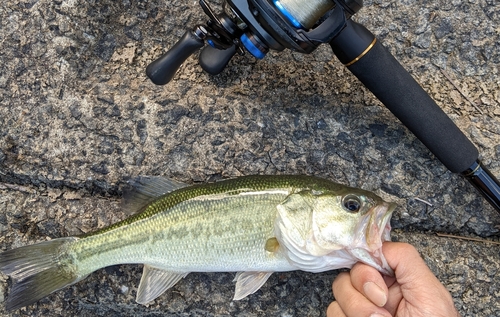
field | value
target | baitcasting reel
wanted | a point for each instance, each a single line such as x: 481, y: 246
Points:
x: 258, y: 26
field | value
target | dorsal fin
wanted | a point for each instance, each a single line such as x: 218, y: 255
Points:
x: 145, y: 189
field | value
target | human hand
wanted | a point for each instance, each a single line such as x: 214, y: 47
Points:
x: 413, y: 292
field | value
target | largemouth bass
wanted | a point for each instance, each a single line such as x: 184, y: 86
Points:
x: 253, y: 225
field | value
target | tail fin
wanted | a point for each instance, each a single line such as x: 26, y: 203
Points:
x: 36, y: 271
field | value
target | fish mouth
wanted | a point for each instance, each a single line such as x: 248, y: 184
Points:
x: 383, y: 214
x: 378, y: 226
x: 377, y: 232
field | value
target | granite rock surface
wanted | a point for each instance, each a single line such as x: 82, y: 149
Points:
x: 78, y: 118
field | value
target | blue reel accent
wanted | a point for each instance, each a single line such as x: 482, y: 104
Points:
x: 287, y: 14
x: 211, y: 43
x: 254, y: 50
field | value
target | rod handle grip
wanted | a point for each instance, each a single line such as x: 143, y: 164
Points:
x: 384, y: 76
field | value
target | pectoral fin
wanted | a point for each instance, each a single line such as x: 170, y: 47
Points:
x: 154, y: 282
x: 248, y: 283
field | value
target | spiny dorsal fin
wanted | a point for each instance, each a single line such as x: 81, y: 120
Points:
x: 154, y: 282
x: 248, y: 283
x: 145, y: 189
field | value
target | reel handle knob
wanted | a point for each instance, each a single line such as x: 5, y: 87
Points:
x: 214, y: 60
x: 162, y: 70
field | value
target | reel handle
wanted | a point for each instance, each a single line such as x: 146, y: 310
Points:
x: 214, y: 60
x: 162, y: 70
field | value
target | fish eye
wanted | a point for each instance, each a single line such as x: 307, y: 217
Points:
x: 351, y: 204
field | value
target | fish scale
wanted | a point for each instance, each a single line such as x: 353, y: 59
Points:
x: 252, y: 225
x: 246, y: 183
x: 200, y: 235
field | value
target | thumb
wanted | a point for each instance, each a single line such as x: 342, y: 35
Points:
x: 409, y: 267
x: 416, y: 283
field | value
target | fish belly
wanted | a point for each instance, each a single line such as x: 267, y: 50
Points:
x: 220, y: 233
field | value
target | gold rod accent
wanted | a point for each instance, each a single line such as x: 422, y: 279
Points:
x: 362, y: 54
x: 473, y: 172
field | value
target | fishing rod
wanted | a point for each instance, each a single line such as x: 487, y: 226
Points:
x: 257, y: 26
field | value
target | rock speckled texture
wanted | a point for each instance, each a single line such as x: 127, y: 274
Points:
x: 78, y: 117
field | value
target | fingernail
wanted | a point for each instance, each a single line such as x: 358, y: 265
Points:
x: 377, y: 315
x: 375, y: 294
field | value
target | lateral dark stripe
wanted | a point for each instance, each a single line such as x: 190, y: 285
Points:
x: 244, y: 183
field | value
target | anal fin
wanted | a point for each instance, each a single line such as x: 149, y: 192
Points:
x: 248, y: 283
x: 155, y: 281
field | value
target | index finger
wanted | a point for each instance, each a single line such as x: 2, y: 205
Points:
x: 351, y: 301
x: 369, y: 282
